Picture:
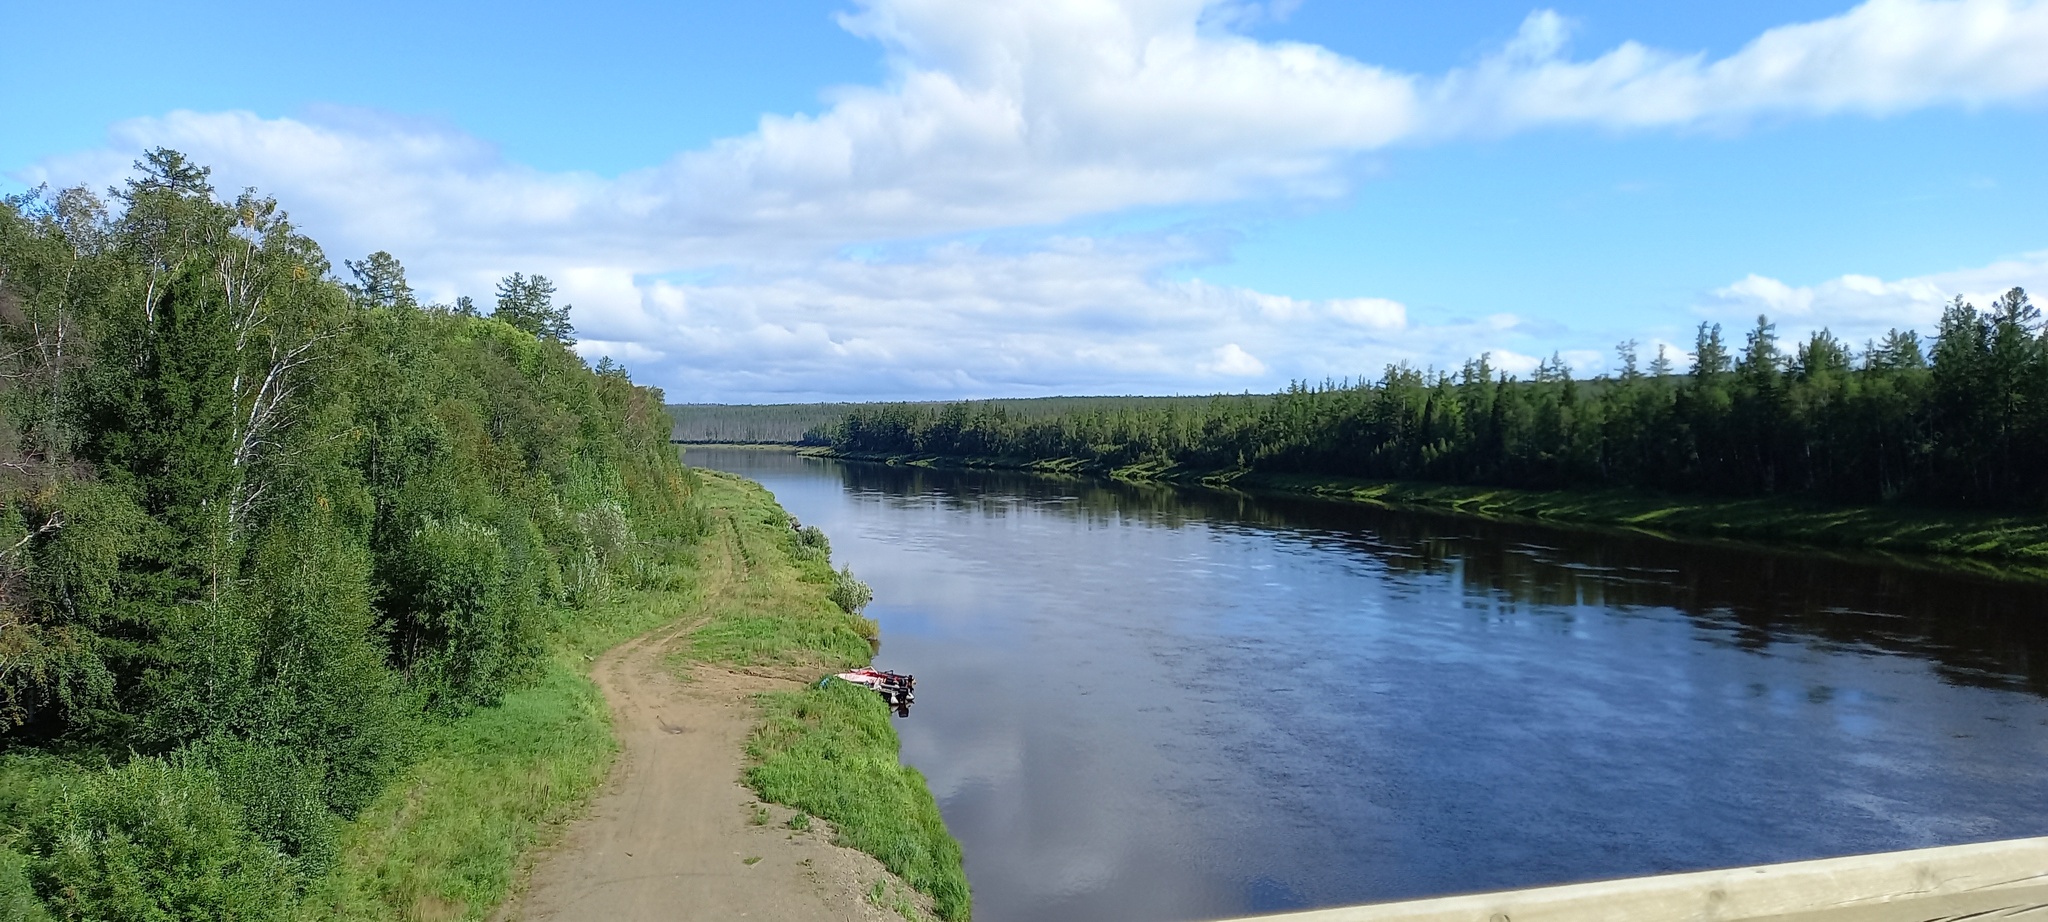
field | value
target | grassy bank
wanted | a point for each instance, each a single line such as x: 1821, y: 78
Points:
x: 1963, y: 536
x: 828, y: 751
x: 1990, y: 543
x: 446, y: 843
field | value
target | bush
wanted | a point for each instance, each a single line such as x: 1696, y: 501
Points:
x: 466, y: 632
x: 850, y: 593
x: 810, y: 543
x: 606, y: 532
x: 153, y: 841
x: 602, y: 544
x: 280, y: 793
x: 18, y: 902
x: 327, y: 696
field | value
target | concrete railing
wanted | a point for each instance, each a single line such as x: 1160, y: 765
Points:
x: 1983, y: 882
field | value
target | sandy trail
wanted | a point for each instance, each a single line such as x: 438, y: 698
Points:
x: 672, y: 835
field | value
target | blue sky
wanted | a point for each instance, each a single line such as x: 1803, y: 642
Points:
x: 880, y: 199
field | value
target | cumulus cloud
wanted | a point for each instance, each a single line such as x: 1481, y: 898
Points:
x: 1230, y: 360
x: 958, y: 320
x: 1860, y: 307
x: 1032, y: 114
x: 1378, y: 313
x: 1882, y: 57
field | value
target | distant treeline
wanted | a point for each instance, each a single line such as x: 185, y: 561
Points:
x: 813, y: 423
x: 1961, y: 420
x: 784, y: 423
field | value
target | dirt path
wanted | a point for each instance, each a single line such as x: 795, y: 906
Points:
x: 675, y: 835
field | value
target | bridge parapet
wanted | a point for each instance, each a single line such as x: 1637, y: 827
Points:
x: 1984, y: 881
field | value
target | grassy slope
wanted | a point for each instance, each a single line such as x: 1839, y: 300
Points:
x: 828, y: 751
x: 1991, y: 543
x: 446, y: 843
x: 2015, y: 540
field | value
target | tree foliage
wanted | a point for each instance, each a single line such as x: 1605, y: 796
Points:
x: 257, y: 524
x: 528, y: 303
x: 1961, y: 424
x: 379, y: 282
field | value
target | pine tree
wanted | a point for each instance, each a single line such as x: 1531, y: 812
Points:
x: 380, y: 282
x: 169, y: 433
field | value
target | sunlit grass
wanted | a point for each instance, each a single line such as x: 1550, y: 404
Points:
x: 1990, y: 543
x: 827, y: 751
x: 775, y: 610
x: 830, y: 752
x: 445, y: 842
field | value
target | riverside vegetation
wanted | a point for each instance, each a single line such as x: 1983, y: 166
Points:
x: 809, y: 423
x: 1906, y: 444
x: 300, y: 578
x: 826, y: 750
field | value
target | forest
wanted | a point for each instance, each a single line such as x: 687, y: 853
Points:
x: 752, y: 424
x: 1957, y: 421
x: 269, y: 521
x: 813, y: 423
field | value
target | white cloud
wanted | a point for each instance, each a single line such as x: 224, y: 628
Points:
x: 1882, y: 57
x: 1378, y: 313
x: 1512, y: 362
x: 1078, y: 315
x: 1030, y: 113
x: 1860, y: 307
x: 1230, y: 360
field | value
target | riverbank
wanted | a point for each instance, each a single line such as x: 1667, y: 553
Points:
x: 1993, y: 544
x: 828, y: 751
x: 450, y: 841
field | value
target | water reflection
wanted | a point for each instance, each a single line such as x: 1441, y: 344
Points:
x: 1980, y: 631
x: 1140, y: 702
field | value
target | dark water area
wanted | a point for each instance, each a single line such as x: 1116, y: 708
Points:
x: 1148, y: 703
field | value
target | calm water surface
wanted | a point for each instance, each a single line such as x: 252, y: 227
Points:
x: 1149, y: 704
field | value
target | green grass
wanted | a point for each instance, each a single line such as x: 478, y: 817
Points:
x: 770, y: 608
x: 829, y: 752
x: 2003, y: 545
x: 445, y: 842
x: 1995, y: 544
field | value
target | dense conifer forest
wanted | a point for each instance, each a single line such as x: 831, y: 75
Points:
x: 262, y: 527
x: 1960, y: 420
x: 752, y: 424
x: 813, y: 423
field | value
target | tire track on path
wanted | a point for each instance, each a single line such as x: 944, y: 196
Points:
x: 672, y: 834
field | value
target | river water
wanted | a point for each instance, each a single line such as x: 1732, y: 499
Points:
x: 1147, y: 703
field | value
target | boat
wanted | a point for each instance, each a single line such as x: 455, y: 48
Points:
x: 896, y: 688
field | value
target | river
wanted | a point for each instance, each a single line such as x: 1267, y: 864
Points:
x: 1148, y: 703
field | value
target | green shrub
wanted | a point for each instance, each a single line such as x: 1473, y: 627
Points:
x: 280, y: 792
x: 850, y: 593
x: 153, y: 841
x: 810, y: 543
x: 465, y: 631
x: 18, y: 902
x: 328, y: 696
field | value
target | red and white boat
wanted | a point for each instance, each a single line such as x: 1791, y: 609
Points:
x: 896, y: 688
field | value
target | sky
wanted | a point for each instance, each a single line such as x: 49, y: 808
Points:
x: 793, y: 200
